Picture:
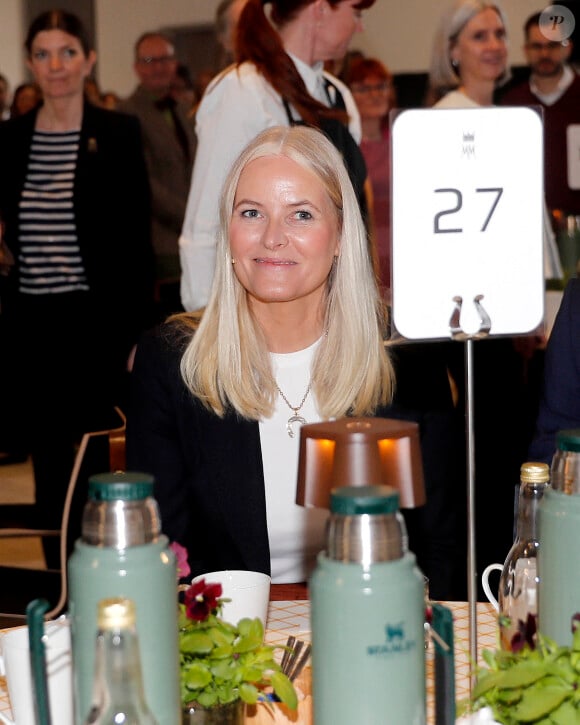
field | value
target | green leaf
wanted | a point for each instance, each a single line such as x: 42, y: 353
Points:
x: 207, y: 699
x: 249, y: 693
x: 538, y: 702
x: 566, y: 714
x: 486, y: 681
x: 224, y: 652
x: 575, y: 660
x: 223, y: 670
x: 196, y: 643
x: 251, y: 626
x: 284, y: 690
x: 251, y: 673
x: 251, y: 635
x: 522, y: 674
x: 221, y: 637
x: 196, y: 676
x: 509, y: 697
x: 488, y: 657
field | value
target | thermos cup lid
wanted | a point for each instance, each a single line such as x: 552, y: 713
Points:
x: 356, y: 500
x: 568, y: 440
x: 124, y: 486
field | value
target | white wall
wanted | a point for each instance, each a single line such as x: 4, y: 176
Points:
x: 120, y: 22
x: 12, y: 35
x: 399, y: 32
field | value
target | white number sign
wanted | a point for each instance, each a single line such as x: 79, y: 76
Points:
x: 467, y: 220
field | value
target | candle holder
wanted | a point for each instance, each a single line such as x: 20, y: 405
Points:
x: 359, y: 452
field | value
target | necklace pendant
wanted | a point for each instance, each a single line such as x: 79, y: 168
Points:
x: 291, y: 420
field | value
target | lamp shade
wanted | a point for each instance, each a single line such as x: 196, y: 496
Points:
x: 359, y: 452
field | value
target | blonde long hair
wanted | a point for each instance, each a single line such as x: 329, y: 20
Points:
x: 227, y: 364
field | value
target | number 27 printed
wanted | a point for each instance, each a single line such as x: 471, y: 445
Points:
x: 498, y: 191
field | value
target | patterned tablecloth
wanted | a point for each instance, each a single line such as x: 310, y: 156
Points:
x: 292, y: 618
x: 285, y: 618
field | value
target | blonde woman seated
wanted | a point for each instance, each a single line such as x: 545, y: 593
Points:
x: 292, y: 333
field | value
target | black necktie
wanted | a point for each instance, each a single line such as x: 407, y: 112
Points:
x: 167, y: 103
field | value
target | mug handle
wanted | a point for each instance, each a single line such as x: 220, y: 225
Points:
x: 35, y: 612
x: 485, y: 584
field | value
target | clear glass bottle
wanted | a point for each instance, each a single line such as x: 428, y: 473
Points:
x: 118, y: 695
x: 518, y: 584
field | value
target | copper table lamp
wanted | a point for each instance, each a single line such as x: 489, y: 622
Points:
x: 359, y: 452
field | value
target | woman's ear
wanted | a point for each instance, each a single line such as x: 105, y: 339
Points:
x: 453, y: 54
x: 319, y: 8
x: 90, y: 63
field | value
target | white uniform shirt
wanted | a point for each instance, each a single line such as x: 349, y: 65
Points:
x: 296, y: 533
x: 235, y: 108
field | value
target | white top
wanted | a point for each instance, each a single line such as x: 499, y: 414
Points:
x: 456, y: 99
x: 296, y: 533
x: 237, y: 106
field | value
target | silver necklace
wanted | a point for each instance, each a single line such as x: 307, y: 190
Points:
x: 294, y: 418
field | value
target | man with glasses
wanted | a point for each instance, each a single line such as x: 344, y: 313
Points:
x: 553, y: 85
x: 169, y: 144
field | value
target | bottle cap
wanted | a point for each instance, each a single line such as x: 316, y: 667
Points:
x: 356, y: 500
x: 568, y: 440
x: 124, y: 486
x: 116, y: 613
x: 533, y: 472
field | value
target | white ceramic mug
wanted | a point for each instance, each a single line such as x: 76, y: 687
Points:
x: 485, y: 584
x: 15, y: 664
x: 249, y: 592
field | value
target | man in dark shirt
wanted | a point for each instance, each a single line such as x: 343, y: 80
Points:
x: 553, y: 85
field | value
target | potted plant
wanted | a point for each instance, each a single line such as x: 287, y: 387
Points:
x: 223, y: 665
x: 538, y: 681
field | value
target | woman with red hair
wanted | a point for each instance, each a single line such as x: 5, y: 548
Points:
x: 371, y: 84
x: 278, y: 79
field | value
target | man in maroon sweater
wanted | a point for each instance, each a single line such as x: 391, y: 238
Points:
x: 554, y: 86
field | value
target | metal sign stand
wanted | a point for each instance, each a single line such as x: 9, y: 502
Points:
x: 462, y: 226
x: 459, y: 335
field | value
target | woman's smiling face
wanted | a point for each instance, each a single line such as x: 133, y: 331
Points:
x: 480, y: 48
x: 284, y: 232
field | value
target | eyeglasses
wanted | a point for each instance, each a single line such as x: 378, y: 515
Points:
x: 550, y: 46
x: 160, y: 59
x: 370, y: 87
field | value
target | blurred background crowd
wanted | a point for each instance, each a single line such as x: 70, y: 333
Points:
x: 187, y: 118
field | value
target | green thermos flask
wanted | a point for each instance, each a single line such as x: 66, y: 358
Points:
x: 122, y: 553
x: 559, y: 534
x: 367, y: 615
